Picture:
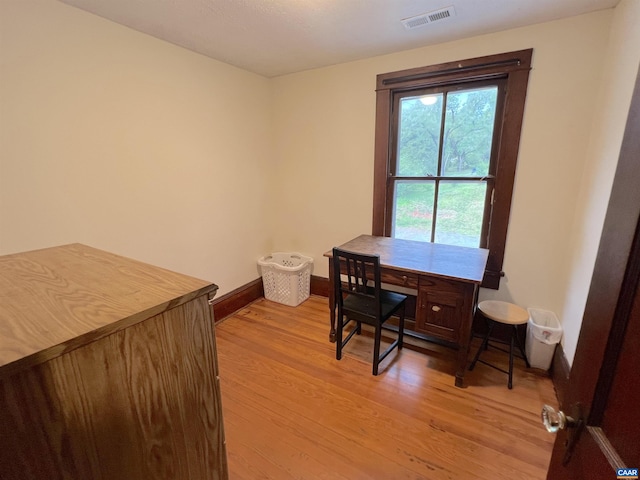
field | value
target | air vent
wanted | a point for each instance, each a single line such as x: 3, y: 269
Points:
x: 429, y: 17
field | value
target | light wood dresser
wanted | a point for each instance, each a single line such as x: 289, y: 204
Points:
x: 108, y: 370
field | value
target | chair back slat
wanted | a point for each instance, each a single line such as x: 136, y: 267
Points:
x: 363, y: 277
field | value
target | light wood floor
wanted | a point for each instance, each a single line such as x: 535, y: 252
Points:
x: 291, y: 410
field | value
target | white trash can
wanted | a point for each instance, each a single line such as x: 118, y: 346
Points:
x: 543, y: 334
x: 286, y: 277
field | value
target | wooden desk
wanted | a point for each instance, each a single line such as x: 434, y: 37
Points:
x: 446, y: 278
x: 108, y: 370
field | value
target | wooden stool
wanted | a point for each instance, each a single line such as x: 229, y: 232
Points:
x: 508, y: 314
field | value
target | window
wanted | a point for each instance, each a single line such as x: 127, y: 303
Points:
x: 446, y: 148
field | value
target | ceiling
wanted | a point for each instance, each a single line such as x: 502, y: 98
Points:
x: 277, y: 37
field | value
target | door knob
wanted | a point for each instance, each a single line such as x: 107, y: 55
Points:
x: 557, y: 420
x: 554, y: 420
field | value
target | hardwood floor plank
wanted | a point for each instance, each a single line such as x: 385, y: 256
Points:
x: 368, y: 417
x: 292, y: 410
x: 299, y: 402
x: 298, y: 440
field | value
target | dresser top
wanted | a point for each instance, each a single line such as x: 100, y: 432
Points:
x: 57, y: 299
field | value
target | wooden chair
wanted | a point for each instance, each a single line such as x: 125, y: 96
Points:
x: 362, y: 300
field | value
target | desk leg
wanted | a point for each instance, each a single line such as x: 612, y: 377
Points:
x: 465, y: 335
x: 332, y: 304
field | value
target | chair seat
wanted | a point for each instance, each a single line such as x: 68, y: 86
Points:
x: 366, y: 306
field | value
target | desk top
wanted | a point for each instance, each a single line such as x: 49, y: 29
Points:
x: 447, y: 261
x: 57, y: 299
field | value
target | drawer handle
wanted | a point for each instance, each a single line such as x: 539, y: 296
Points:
x: 435, y: 308
x: 404, y: 279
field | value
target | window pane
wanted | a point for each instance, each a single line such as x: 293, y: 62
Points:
x: 468, y: 132
x: 413, y: 210
x: 419, y: 135
x: 460, y: 212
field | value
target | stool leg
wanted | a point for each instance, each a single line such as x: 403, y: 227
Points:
x: 510, y: 384
x: 485, y: 342
x: 521, y: 347
x: 488, y: 323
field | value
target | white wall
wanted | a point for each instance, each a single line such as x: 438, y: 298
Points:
x: 115, y: 139
x: 324, y: 142
x: 612, y: 99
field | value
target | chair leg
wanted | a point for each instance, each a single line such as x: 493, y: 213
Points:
x: 376, y: 349
x: 339, y: 328
x: 401, y: 328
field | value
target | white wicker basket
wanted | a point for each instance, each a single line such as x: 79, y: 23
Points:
x: 286, y: 277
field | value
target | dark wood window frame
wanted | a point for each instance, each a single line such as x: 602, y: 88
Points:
x: 513, y: 69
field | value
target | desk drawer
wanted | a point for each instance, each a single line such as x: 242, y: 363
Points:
x: 394, y: 277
